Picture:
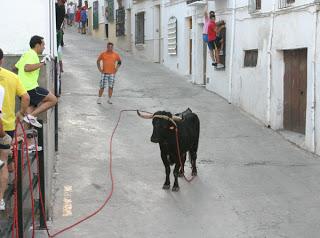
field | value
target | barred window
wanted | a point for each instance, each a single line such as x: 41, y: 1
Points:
x: 250, y: 58
x: 172, y: 36
x: 254, y: 5
x: 120, y: 19
x: 285, y: 3
x: 139, y: 36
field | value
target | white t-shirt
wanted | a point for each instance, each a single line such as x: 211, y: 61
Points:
x: 72, y: 9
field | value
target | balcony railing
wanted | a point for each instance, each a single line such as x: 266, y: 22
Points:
x: 286, y: 3
x: 195, y: 2
x: 254, y: 6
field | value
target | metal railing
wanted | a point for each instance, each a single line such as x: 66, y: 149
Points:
x: 24, y: 199
x: 285, y: 3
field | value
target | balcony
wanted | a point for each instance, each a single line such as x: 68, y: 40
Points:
x: 285, y: 3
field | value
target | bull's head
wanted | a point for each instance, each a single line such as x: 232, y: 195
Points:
x: 164, y: 124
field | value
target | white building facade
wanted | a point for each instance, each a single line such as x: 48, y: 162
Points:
x: 146, y: 28
x: 271, y: 56
x: 272, y: 64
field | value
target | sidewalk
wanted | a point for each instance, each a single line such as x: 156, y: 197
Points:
x: 251, y: 183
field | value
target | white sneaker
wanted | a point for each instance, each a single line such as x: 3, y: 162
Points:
x: 32, y: 120
x: 1, y: 164
x: 109, y: 101
x: 220, y: 66
x: 32, y: 148
x: 2, y: 205
x: 99, y: 100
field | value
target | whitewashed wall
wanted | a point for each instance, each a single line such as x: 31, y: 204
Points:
x: 147, y: 49
x: 18, y: 25
x: 179, y: 62
x: 294, y: 28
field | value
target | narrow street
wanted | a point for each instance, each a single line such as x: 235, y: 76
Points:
x: 251, y: 182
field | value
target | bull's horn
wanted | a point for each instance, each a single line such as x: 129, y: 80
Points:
x: 176, y: 118
x: 144, y: 115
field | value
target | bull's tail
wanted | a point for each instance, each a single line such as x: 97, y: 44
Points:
x: 197, y: 133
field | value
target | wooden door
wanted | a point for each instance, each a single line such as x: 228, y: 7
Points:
x: 295, y: 90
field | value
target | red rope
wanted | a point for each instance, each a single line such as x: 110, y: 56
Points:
x: 178, y: 151
x: 15, y: 224
x: 25, y: 144
x: 108, y: 196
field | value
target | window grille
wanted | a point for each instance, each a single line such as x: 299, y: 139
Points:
x: 250, y: 58
x: 139, y: 39
x: 172, y: 36
x: 254, y: 5
x: 285, y: 3
x: 120, y: 19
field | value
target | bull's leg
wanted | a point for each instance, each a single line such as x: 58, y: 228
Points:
x: 166, y: 184
x: 193, y: 163
x: 175, y: 187
x: 181, y: 170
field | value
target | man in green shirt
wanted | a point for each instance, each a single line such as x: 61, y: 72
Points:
x: 29, y: 70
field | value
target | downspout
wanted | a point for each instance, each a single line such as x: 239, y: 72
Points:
x: 50, y: 27
x: 232, y: 49
x: 270, y: 65
x: 314, y: 70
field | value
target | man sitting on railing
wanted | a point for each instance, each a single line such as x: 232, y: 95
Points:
x: 29, y: 66
x: 12, y: 87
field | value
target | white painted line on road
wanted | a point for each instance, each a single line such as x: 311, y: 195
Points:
x: 67, y: 201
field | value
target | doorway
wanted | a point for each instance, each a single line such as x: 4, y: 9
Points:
x: 295, y: 90
x: 189, y: 39
x: 157, y: 28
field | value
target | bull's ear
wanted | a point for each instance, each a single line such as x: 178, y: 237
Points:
x: 171, y: 127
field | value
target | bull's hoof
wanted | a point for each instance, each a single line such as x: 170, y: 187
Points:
x: 175, y: 189
x: 194, y: 173
x: 166, y: 186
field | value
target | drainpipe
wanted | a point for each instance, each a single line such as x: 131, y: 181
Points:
x: 269, y: 80
x: 232, y: 49
x: 314, y: 70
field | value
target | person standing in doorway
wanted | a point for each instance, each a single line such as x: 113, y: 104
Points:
x: 106, y: 22
x: 111, y: 62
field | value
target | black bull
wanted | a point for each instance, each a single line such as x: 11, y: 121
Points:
x: 164, y: 133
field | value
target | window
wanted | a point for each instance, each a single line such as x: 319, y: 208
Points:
x: 285, y: 3
x: 120, y: 19
x: 254, y: 5
x: 139, y: 39
x: 250, y: 58
x: 110, y: 10
x: 258, y: 4
x: 172, y: 36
